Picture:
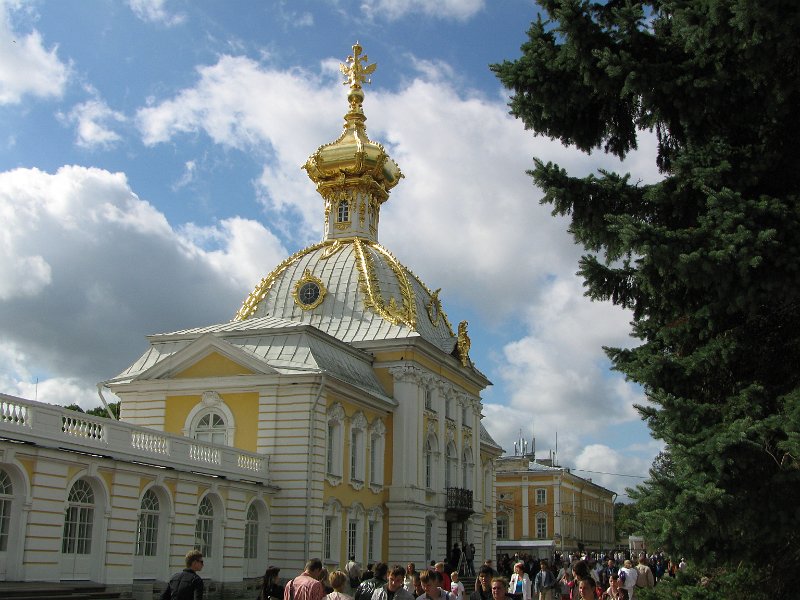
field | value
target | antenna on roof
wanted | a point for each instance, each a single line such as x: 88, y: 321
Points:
x: 555, y: 453
x: 533, y: 443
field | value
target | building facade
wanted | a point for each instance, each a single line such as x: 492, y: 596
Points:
x: 337, y: 414
x: 543, y: 509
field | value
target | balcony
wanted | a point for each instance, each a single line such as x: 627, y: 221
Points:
x: 50, y: 426
x: 459, y: 504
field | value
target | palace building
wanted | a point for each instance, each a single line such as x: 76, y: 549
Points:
x: 543, y: 508
x: 337, y: 413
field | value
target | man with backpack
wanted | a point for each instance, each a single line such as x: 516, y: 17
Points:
x: 645, y: 578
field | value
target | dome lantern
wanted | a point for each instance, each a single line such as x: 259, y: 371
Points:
x: 354, y: 175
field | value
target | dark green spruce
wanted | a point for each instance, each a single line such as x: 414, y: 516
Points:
x: 708, y: 258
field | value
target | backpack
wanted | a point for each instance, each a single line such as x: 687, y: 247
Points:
x: 644, y: 580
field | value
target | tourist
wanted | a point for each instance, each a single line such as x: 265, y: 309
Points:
x: 627, y: 577
x: 306, y: 586
x: 483, y: 584
x: 408, y: 578
x: 431, y: 585
x: 393, y: 590
x: 499, y: 588
x: 186, y: 584
x: 544, y: 583
x: 338, y: 579
x: 353, y: 571
x: 270, y: 588
x: 366, y: 589
x: 456, y: 587
x: 520, y: 585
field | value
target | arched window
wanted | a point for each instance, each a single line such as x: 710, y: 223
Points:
x: 6, y: 497
x: 431, y: 448
x: 451, y: 462
x: 377, y: 447
x: 332, y: 527
x: 358, y: 426
x: 211, y: 421
x: 204, y: 527
x: 251, y: 533
x: 467, y: 467
x: 211, y: 428
x: 147, y: 526
x: 541, y: 526
x: 333, y: 459
x: 79, y: 519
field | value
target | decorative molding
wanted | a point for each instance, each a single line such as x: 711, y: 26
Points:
x: 377, y: 428
x: 358, y: 421
x: 211, y: 398
x: 336, y: 413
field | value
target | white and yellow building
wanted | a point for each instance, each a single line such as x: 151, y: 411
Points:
x: 337, y: 413
x: 543, y: 508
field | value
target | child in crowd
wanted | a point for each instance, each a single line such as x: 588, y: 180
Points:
x: 456, y: 587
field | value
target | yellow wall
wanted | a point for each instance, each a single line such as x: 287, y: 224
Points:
x: 214, y: 365
x: 244, y: 407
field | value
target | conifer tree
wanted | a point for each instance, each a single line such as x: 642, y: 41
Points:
x: 707, y: 259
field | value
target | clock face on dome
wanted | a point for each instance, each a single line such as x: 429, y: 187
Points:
x: 309, y: 292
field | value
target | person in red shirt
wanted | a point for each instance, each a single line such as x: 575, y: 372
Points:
x: 306, y: 586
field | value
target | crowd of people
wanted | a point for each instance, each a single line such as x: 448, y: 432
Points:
x: 570, y: 577
x: 566, y: 577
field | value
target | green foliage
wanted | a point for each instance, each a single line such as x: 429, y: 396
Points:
x: 97, y: 411
x: 707, y: 259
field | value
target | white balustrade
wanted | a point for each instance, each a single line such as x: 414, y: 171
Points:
x: 52, y: 426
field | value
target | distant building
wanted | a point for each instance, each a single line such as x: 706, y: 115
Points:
x: 543, y: 508
x: 337, y: 414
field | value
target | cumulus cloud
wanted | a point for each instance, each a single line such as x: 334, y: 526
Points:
x: 112, y: 269
x: 27, y: 67
x: 93, y: 121
x: 391, y: 10
x: 153, y: 11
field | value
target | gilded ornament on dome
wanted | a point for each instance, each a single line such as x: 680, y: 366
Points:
x: 434, y: 307
x: 309, y: 291
x: 357, y: 69
x: 463, y: 344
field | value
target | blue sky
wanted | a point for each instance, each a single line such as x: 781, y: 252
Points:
x: 150, y: 156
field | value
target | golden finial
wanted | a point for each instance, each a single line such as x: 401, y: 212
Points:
x: 356, y: 72
x: 463, y: 344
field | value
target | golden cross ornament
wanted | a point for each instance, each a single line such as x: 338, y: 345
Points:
x: 357, y: 71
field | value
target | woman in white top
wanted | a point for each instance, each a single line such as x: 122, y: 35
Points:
x: 629, y: 578
x: 520, y: 584
x: 337, y: 580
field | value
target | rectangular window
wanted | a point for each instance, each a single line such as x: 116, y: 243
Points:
x: 428, y: 460
x: 330, y: 449
x: 251, y: 539
x: 326, y: 540
x: 541, y: 496
x: 147, y: 534
x: 541, y: 527
x: 204, y: 535
x: 5, y: 523
x: 502, y: 528
x: 373, y: 460
x: 428, y: 399
x: 354, y: 474
x: 371, y: 538
x: 352, y: 537
x: 447, y: 414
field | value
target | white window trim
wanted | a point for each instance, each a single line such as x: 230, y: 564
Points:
x: 210, y: 403
x: 358, y: 454
x: 377, y: 449
x: 335, y: 427
x: 333, y: 511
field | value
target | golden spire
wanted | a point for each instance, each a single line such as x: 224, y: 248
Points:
x: 353, y: 174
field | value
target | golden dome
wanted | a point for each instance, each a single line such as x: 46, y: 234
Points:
x: 353, y: 168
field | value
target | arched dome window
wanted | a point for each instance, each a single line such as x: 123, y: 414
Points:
x: 211, y: 421
x: 343, y: 212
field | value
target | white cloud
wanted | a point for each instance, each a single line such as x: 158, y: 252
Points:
x: 92, y: 120
x: 391, y: 10
x: 153, y: 11
x: 116, y: 271
x: 26, y: 66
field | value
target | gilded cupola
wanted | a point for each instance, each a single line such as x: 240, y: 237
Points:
x: 354, y: 175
